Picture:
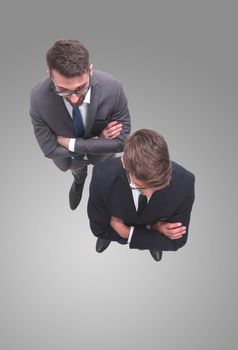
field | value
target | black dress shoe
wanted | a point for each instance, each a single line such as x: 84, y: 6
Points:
x: 75, y: 194
x: 156, y: 254
x: 102, y: 244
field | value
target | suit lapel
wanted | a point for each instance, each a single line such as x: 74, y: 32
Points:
x: 59, y: 114
x: 121, y: 199
x: 158, y: 207
x: 92, y: 107
x: 121, y: 203
x: 60, y: 110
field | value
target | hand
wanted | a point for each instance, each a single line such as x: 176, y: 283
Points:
x: 171, y: 230
x: 111, y: 131
x: 63, y: 141
x: 119, y: 226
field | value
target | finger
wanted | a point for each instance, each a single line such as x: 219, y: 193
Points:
x: 179, y: 230
x: 176, y: 235
x: 115, y: 130
x: 114, y: 136
x: 114, y: 127
x: 114, y: 133
x: 111, y: 124
x: 173, y: 225
x: 112, y: 219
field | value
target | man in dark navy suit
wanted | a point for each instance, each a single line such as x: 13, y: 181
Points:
x: 142, y: 198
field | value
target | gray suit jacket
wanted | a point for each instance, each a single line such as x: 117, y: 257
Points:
x: 50, y: 118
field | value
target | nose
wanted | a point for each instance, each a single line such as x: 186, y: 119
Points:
x: 74, y: 99
x: 147, y: 192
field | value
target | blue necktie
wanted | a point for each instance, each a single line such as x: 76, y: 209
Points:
x: 78, y: 129
x: 78, y: 122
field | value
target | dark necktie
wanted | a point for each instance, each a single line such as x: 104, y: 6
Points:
x: 78, y: 122
x: 142, y: 203
x: 78, y: 129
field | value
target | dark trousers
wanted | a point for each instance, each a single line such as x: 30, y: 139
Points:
x: 79, y: 169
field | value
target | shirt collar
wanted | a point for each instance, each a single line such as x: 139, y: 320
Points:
x: 88, y: 96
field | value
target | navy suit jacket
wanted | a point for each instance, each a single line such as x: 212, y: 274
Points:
x: 111, y: 195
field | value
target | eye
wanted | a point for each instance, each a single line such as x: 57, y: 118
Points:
x: 81, y: 89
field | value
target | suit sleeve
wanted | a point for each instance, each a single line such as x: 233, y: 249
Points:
x: 45, y: 137
x: 99, y: 216
x: 119, y: 113
x: 144, y: 238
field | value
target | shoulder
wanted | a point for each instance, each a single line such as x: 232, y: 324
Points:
x: 108, y: 169
x: 181, y: 187
x: 104, y: 176
x: 179, y: 170
x: 181, y: 176
x: 106, y: 173
x: 106, y: 79
x: 104, y: 76
x: 41, y: 88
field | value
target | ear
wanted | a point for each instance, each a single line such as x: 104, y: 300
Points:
x: 122, y: 161
x: 49, y: 72
x: 91, y: 69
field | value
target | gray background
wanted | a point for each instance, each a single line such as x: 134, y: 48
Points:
x: 178, y: 64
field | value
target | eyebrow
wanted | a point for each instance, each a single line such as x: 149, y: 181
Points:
x: 77, y: 88
x: 137, y: 187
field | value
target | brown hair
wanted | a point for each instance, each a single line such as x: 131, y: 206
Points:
x: 69, y: 57
x: 146, y: 157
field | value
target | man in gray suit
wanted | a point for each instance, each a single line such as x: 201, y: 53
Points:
x: 79, y: 115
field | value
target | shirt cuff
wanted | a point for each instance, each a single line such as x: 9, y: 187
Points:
x: 71, y: 144
x: 130, y: 234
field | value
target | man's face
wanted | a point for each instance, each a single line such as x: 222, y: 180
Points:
x: 73, y: 89
x: 141, y: 186
x: 136, y: 184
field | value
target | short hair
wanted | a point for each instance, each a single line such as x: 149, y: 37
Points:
x: 146, y: 157
x: 69, y: 57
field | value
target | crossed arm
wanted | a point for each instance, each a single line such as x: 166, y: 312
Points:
x: 111, y: 131
x: 171, y: 230
x: 170, y: 235
x: 110, y: 140
x: 161, y: 235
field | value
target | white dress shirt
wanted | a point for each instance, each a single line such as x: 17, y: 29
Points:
x: 83, y: 109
